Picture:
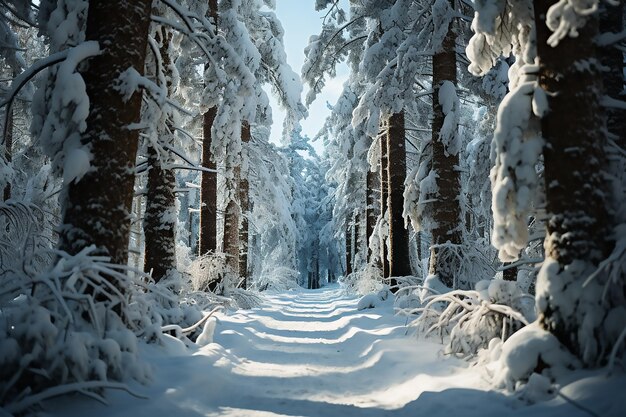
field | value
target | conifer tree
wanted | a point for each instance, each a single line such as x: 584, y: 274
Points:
x: 94, y: 215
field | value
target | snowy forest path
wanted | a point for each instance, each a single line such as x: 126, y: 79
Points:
x: 308, y: 353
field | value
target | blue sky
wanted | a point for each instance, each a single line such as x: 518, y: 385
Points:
x: 300, y: 21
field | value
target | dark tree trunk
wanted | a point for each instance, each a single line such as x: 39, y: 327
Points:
x: 356, y: 240
x: 348, y: 248
x: 244, y: 201
x: 399, y: 260
x: 159, y: 222
x: 160, y: 217
x: 612, y: 58
x: 445, y: 163
x: 372, y: 181
x: 384, y: 200
x: 577, y: 192
x: 510, y: 273
x: 231, y: 236
x: 8, y: 147
x: 98, y: 207
x: 208, y: 188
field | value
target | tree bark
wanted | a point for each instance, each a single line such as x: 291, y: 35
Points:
x: 577, y: 192
x: 244, y: 201
x: 448, y: 213
x: 8, y: 147
x: 510, y: 273
x: 372, y: 181
x: 98, y: 207
x: 208, y: 190
x: 384, y: 199
x: 159, y: 223
x: 612, y: 58
x: 348, y: 248
x: 231, y: 236
x: 399, y: 260
x: 207, y: 241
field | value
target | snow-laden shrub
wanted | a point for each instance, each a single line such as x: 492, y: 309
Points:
x: 208, y: 270
x: 527, y: 362
x: 244, y: 299
x: 23, y: 242
x: 69, y: 329
x: 472, y: 318
x: 279, y: 278
x: 375, y: 299
x: 408, y: 295
x: 365, y: 281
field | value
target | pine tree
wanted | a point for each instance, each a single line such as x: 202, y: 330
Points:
x: 159, y: 223
x: 445, y: 160
x: 94, y: 213
x: 208, y: 188
x: 384, y: 203
x: 8, y: 149
x: 244, y: 202
x: 399, y: 262
x: 372, y: 189
x: 577, y: 198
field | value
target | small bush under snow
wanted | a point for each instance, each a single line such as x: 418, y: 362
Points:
x: 375, y: 300
x: 495, y: 309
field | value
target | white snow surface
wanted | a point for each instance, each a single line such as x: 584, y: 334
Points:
x: 312, y: 353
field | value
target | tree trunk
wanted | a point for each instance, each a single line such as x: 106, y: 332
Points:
x: 244, y: 201
x: 384, y: 199
x: 356, y: 241
x: 370, y: 211
x: 510, y: 273
x: 612, y: 21
x: 448, y: 213
x: 577, y: 193
x: 159, y: 223
x: 399, y: 260
x: 231, y: 236
x: 8, y: 147
x: 208, y: 188
x: 348, y: 248
x: 98, y: 207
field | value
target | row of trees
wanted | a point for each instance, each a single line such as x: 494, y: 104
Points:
x: 124, y: 120
x: 412, y: 156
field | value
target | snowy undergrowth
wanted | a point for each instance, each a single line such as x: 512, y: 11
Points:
x: 74, y: 323
x: 69, y: 329
x: 364, y: 281
x: 470, y: 319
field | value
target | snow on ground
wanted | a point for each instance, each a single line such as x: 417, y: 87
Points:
x: 312, y: 353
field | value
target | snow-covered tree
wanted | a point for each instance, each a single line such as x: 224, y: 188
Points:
x: 549, y: 39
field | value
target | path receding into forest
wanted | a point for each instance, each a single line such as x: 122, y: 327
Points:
x: 312, y: 353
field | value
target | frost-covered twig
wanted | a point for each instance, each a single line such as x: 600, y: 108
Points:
x: 180, y: 332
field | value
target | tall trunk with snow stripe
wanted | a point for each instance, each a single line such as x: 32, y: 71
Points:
x: 244, y: 201
x: 570, y: 306
x: 445, y: 160
x: 159, y: 223
x: 8, y: 148
x: 399, y: 260
x: 208, y: 188
x: 384, y: 198
x: 98, y: 207
x: 372, y: 182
